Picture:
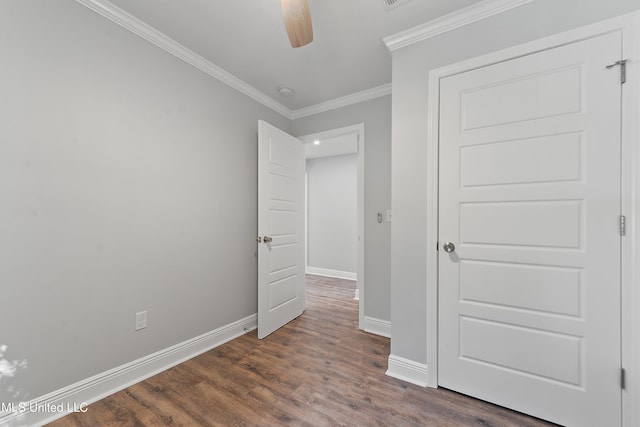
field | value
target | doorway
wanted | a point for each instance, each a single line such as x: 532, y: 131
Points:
x: 346, y: 140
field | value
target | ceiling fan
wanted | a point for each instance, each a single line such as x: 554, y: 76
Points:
x: 297, y: 21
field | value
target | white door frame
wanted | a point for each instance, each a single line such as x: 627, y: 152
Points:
x: 357, y: 130
x: 629, y: 27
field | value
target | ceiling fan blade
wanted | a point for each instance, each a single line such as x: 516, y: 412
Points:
x: 297, y: 21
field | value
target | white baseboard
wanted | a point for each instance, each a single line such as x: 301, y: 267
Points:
x: 408, y: 370
x: 75, y: 397
x: 332, y: 273
x: 377, y: 326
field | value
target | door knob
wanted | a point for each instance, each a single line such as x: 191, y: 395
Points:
x: 259, y: 239
x: 449, y: 247
x: 267, y: 239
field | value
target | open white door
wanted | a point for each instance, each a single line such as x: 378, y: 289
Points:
x: 529, y: 261
x: 281, y: 288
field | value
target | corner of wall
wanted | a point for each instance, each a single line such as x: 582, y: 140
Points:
x: 408, y: 370
x: 377, y: 326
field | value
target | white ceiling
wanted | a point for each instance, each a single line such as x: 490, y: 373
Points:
x: 247, y: 39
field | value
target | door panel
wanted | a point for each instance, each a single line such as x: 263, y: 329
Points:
x: 550, y: 159
x: 529, y: 301
x: 562, y: 95
x: 500, y: 223
x: 522, y: 286
x: 280, y: 218
x: 483, y: 341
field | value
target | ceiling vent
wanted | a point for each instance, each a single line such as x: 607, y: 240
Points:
x: 391, y: 4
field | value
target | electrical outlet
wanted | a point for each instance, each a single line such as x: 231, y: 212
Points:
x: 141, y: 320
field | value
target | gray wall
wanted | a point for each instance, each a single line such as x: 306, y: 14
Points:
x: 411, y: 67
x: 128, y: 182
x: 376, y: 116
x: 332, y: 222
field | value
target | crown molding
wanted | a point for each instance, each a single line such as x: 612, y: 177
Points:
x: 343, y: 101
x: 147, y: 32
x: 460, y: 18
x: 476, y: 12
x: 136, y: 26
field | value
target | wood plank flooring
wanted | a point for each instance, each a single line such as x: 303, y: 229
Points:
x: 319, y: 370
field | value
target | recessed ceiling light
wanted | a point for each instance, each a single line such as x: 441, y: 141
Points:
x: 316, y: 142
x: 285, y: 91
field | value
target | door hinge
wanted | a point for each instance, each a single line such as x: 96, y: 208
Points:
x: 623, y: 225
x: 623, y: 379
x: 623, y: 69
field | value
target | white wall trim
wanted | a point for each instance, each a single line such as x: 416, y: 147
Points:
x: 343, y: 101
x: 451, y: 21
x: 348, y: 275
x: 357, y: 129
x: 104, y: 384
x: 433, y: 179
x: 408, y: 370
x: 138, y: 27
x: 377, y: 326
x: 629, y: 26
x: 333, y: 133
x: 631, y: 209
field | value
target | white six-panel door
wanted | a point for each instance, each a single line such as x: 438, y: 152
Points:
x: 281, y: 218
x: 529, y: 299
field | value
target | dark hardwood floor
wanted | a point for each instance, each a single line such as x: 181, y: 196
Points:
x: 319, y: 370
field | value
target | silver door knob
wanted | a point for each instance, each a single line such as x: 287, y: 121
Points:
x: 449, y: 247
x: 267, y: 239
x: 259, y: 239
